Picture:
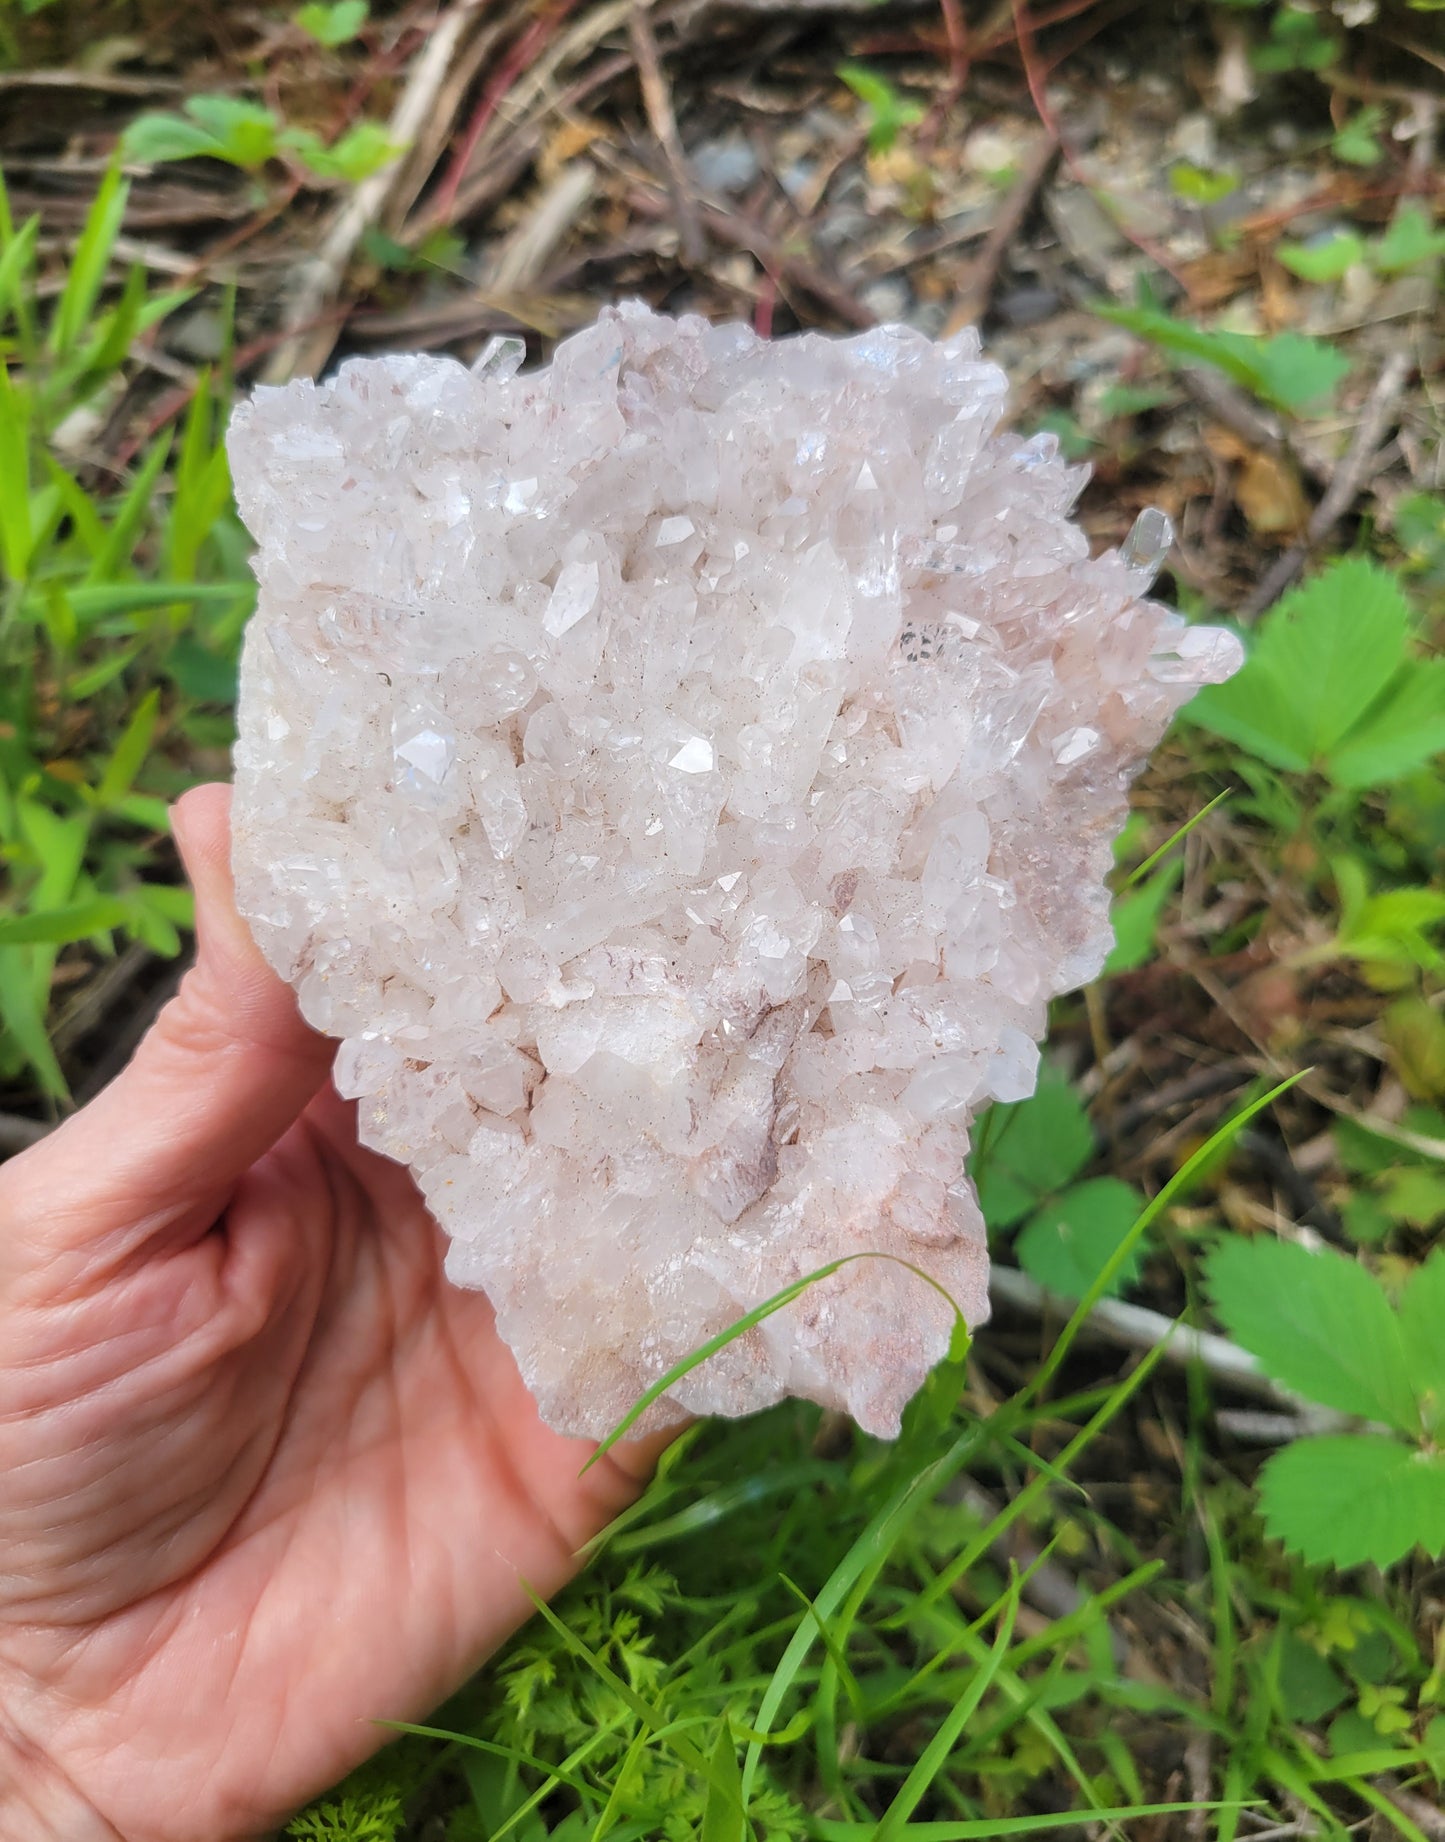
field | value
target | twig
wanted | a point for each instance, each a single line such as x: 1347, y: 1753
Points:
x: 1357, y: 468
x: 770, y: 254
x: 1203, y: 1084
x: 318, y: 279
x: 657, y: 102
x: 983, y: 276
x: 535, y: 240
x: 1134, y: 1327
x: 521, y: 82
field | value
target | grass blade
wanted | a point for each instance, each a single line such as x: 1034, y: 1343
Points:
x: 740, y: 1326
x: 58, y: 926
x: 935, y: 1754
x: 1138, y: 875
x: 1176, y: 1186
x: 76, y: 306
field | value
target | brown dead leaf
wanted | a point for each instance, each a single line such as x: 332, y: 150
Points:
x: 1271, y: 497
x: 571, y: 138
x: 1278, y: 302
x: 1217, y: 276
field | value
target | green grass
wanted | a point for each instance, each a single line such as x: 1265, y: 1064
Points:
x: 121, y: 609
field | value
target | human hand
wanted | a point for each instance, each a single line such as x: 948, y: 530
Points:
x: 265, y: 1476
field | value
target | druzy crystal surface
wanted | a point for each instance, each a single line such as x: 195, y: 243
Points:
x: 681, y: 777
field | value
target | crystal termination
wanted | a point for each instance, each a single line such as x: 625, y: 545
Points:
x: 682, y: 776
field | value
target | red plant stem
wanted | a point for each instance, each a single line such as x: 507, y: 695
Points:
x: 1036, y: 75
x: 490, y: 101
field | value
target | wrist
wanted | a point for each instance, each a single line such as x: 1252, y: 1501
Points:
x: 38, y: 1802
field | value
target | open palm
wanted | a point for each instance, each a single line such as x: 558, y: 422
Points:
x: 265, y: 1477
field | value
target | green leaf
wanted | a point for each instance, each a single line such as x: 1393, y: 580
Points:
x: 1422, y: 1328
x: 1322, y: 656
x: 1287, y: 369
x: 17, y: 535
x: 130, y: 752
x: 1071, y: 1239
x: 1410, y: 241
x: 245, y: 132
x: 1199, y: 185
x: 24, y: 1020
x: 1135, y: 918
x: 1318, y: 1323
x: 1354, y: 1498
x: 1413, y: 1195
x: 86, y: 276
x: 158, y: 136
x: 1325, y: 258
x: 1299, y: 373
x: 1401, y: 732
x: 76, y: 921
x: 888, y: 111
x: 1356, y: 143
x: 1308, y: 1687
x: 333, y: 25
x: 723, y: 1819
x: 1037, y: 1145
x: 360, y: 152
x: 220, y: 128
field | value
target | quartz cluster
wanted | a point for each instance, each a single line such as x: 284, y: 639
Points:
x: 682, y: 776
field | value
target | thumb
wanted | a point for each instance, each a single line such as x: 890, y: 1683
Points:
x: 225, y: 1069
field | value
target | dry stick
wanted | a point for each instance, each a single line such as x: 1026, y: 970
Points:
x: 1355, y: 471
x: 1133, y: 1327
x: 513, y: 93
x: 317, y: 280
x: 983, y: 277
x: 657, y: 101
x: 770, y: 254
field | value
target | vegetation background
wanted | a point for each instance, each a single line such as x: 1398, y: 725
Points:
x: 1117, y: 1578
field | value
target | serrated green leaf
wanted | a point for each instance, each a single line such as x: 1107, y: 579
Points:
x: 1299, y: 373
x: 1069, y: 1242
x: 1041, y: 1143
x: 1348, y: 1499
x: 1318, y: 1323
x: 1288, y: 369
x: 1422, y: 1328
x: 1322, y: 657
x: 1402, y: 731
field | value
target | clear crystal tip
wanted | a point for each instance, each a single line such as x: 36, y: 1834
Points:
x: 1148, y: 543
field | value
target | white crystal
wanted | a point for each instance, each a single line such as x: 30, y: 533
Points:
x: 682, y: 777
